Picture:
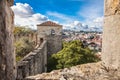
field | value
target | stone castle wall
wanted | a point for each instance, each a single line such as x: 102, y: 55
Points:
x: 54, y: 44
x: 46, y: 30
x: 111, y: 34
x: 54, y: 40
x: 7, y: 56
x: 33, y: 63
x: 90, y: 71
x: 31, y: 37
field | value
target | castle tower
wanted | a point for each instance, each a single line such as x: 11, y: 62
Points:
x: 111, y: 34
x: 52, y: 33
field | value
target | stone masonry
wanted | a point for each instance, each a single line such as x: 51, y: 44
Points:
x: 110, y: 70
x: 33, y: 63
x: 90, y: 71
x: 111, y: 34
x: 7, y: 57
x: 52, y: 33
x: 54, y: 44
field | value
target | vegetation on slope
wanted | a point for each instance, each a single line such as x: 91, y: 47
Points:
x: 22, y: 45
x: 73, y: 53
x: 18, y: 30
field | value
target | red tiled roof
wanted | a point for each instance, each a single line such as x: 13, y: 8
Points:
x: 48, y: 23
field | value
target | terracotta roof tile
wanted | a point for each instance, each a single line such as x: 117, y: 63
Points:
x: 48, y: 23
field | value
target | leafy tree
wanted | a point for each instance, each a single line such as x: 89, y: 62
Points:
x: 73, y: 53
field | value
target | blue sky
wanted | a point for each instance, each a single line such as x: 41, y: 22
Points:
x: 69, y: 13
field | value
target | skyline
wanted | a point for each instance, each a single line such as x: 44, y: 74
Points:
x: 72, y: 14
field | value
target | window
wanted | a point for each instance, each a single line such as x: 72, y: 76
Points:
x: 52, y: 32
x: 41, y: 40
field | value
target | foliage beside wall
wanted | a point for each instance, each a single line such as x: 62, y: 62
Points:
x: 23, y: 45
x: 73, y: 53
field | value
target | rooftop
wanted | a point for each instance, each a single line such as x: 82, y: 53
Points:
x: 49, y: 23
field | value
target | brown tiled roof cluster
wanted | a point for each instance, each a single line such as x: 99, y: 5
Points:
x: 49, y: 23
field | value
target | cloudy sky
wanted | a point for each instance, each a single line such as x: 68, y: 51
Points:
x: 71, y: 14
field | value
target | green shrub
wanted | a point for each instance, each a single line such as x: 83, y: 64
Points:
x: 18, y: 30
x: 72, y: 54
x: 23, y: 47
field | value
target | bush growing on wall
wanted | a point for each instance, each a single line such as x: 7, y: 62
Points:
x: 73, y: 53
x: 23, y: 47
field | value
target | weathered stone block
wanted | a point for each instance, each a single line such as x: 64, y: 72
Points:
x: 111, y: 41
x: 112, y: 7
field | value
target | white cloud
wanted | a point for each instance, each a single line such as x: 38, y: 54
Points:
x: 68, y: 22
x: 20, y: 9
x: 92, y: 13
x: 98, y: 20
x: 92, y: 23
x: 73, y: 25
x: 92, y: 9
x: 25, y: 16
x: 77, y: 23
x: 60, y: 16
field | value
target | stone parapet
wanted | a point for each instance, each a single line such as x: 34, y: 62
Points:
x: 33, y: 63
x: 90, y: 71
